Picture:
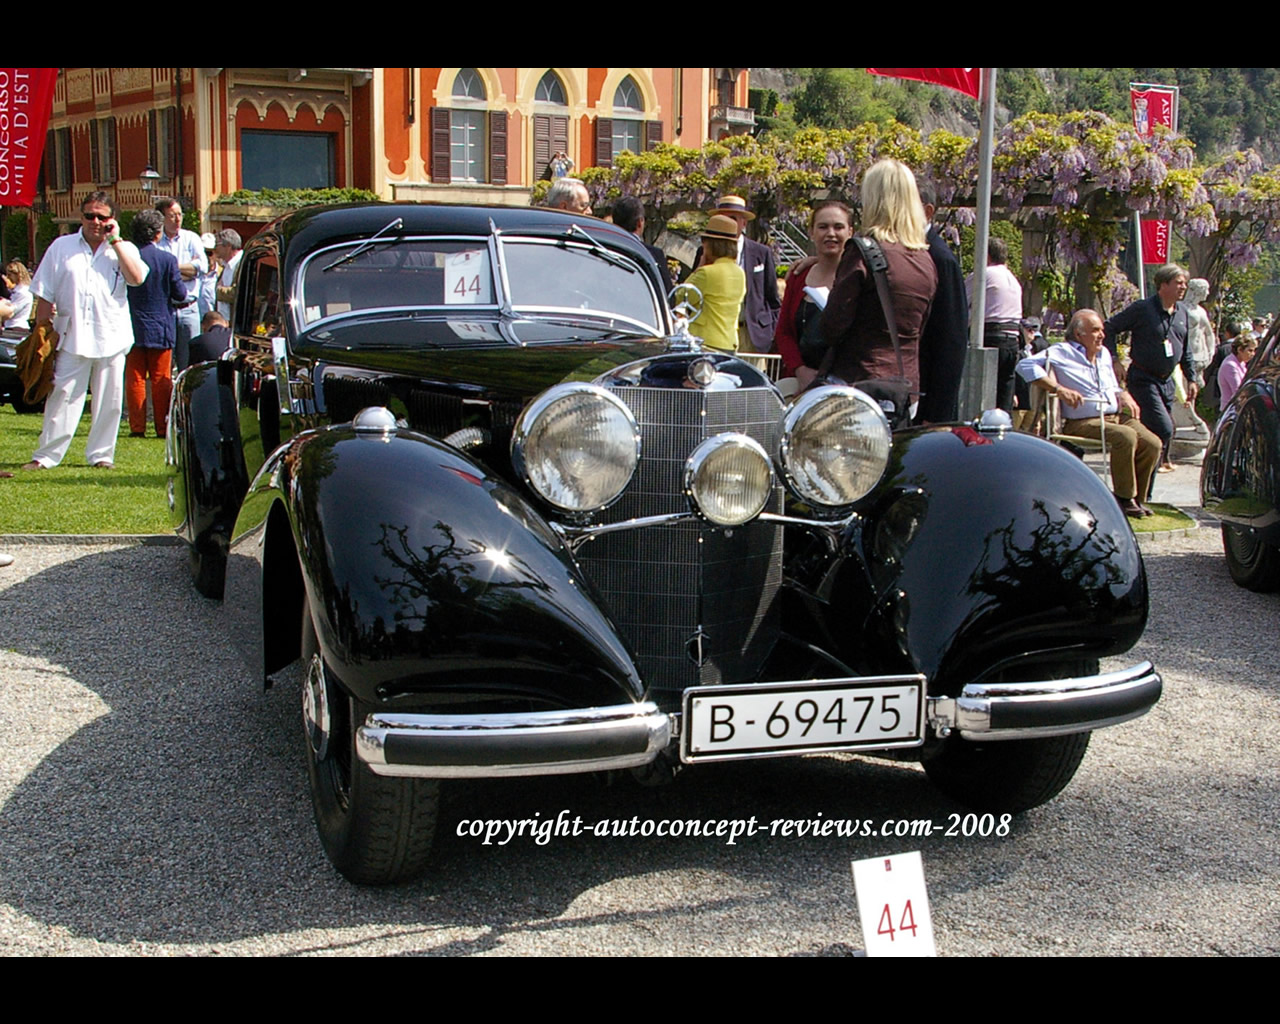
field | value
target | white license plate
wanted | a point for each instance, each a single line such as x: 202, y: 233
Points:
x: 769, y: 719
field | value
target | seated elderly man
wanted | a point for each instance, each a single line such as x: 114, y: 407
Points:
x: 1080, y: 373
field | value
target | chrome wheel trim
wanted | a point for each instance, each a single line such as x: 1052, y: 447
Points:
x: 315, y: 708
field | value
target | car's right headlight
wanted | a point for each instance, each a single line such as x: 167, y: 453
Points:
x: 577, y: 446
x: 834, y: 446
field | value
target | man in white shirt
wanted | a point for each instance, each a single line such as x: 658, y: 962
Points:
x: 81, y: 286
x: 1002, y: 318
x: 227, y: 249
x: 185, y: 247
x: 1085, y: 380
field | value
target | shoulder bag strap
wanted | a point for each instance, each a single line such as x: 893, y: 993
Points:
x: 876, y: 262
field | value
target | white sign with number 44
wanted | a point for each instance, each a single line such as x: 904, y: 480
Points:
x: 894, y: 906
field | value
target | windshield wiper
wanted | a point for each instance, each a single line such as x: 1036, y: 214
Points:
x: 610, y: 329
x: 601, y: 251
x: 366, y: 245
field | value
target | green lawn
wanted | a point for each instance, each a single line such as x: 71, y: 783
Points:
x: 75, y: 498
x: 1166, y: 518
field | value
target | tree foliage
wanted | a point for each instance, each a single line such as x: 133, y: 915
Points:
x: 1070, y: 182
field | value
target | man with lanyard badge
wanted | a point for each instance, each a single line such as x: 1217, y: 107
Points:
x: 185, y: 247
x: 1159, y: 327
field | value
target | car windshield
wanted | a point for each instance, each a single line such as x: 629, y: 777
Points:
x: 395, y: 273
x: 550, y: 276
x: 559, y: 275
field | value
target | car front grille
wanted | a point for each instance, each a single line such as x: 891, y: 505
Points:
x: 698, y: 604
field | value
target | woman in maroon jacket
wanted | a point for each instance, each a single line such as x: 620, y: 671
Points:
x: 798, y: 337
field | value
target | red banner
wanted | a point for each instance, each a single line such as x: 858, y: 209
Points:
x: 1155, y: 241
x: 26, y: 97
x: 1153, y: 105
x: 965, y: 80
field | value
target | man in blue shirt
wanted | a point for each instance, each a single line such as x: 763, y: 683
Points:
x: 1158, y: 328
x: 1079, y: 371
x: 185, y: 247
x: 151, y: 305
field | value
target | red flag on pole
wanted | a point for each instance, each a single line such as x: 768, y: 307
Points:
x: 1154, y: 105
x: 26, y: 97
x: 1155, y: 241
x: 965, y: 80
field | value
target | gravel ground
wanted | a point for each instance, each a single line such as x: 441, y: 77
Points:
x: 151, y: 802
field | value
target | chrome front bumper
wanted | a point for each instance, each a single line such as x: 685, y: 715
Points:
x: 530, y: 743
x: 1053, y: 707
x: 630, y: 735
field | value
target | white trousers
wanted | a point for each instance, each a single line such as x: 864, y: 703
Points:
x: 72, y: 377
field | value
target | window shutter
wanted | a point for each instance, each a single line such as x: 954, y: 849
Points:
x: 66, y: 157
x: 498, y: 147
x: 550, y: 136
x: 541, y: 145
x: 440, y: 172
x: 109, y: 166
x: 604, y: 142
x: 652, y: 134
x: 170, y: 145
x: 559, y: 133
x: 95, y: 162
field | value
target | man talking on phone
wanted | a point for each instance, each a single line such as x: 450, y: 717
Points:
x: 80, y: 286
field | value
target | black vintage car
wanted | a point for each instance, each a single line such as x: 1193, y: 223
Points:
x: 460, y: 469
x: 1240, y: 476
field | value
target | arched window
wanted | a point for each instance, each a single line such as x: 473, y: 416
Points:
x: 550, y: 90
x: 550, y: 123
x: 467, y: 127
x: 626, y: 129
x: 628, y: 118
x: 468, y: 139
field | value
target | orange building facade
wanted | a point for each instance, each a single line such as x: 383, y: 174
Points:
x: 473, y: 135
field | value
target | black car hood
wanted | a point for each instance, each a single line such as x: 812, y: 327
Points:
x: 413, y: 331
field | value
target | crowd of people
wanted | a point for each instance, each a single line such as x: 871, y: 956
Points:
x: 883, y: 305
x: 125, y: 315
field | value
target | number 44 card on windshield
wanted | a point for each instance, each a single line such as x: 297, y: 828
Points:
x: 894, y: 906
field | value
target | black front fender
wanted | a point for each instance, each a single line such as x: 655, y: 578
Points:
x: 432, y: 582
x: 207, y: 477
x: 978, y: 554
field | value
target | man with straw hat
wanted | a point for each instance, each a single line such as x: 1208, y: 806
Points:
x: 759, y: 315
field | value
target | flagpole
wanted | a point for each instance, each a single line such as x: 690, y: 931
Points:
x: 982, y: 230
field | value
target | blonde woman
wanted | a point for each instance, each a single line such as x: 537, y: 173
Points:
x: 16, y: 310
x: 854, y: 323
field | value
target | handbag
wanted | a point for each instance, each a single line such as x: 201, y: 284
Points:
x: 892, y: 394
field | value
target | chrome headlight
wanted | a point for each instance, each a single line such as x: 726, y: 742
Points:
x: 728, y: 479
x: 577, y: 445
x: 834, y: 446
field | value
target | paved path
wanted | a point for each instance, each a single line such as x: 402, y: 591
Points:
x: 152, y: 802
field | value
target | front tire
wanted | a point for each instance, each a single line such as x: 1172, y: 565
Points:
x: 1009, y: 775
x: 375, y: 830
x: 1252, y: 562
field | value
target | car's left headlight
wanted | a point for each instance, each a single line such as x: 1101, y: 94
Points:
x: 834, y: 446
x: 577, y: 446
